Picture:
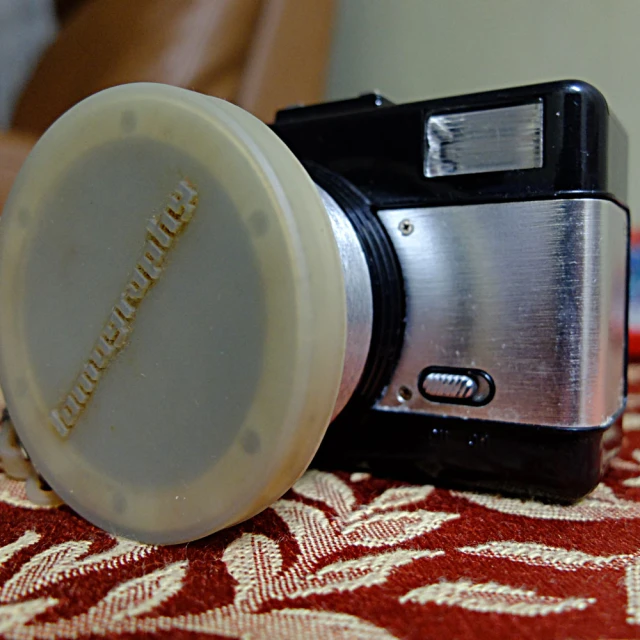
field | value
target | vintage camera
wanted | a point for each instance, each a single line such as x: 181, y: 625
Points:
x: 186, y: 302
x: 500, y: 257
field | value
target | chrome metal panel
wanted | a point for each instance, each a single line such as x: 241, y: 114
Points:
x: 480, y: 141
x: 357, y: 282
x: 533, y: 293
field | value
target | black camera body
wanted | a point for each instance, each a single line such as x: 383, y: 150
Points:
x: 496, y: 234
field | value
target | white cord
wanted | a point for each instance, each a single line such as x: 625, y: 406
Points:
x: 16, y: 464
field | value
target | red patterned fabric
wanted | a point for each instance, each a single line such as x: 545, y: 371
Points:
x: 341, y: 556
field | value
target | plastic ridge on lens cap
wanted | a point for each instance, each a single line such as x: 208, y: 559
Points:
x: 172, y: 313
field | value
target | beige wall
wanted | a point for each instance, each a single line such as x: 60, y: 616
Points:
x: 415, y: 49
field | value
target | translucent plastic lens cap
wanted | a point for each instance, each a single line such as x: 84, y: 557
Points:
x: 172, y: 313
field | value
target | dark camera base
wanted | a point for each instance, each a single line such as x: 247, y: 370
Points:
x: 559, y: 465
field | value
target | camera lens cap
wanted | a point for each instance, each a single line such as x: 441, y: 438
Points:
x: 172, y: 312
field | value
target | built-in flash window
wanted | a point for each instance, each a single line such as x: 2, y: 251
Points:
x: 505, y: 139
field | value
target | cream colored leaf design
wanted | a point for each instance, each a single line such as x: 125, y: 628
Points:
x: 631, y: 422
x: 311, y: 529
x: 633, y: 373
x: 254, y: 561
x: 140, y: 595
x: 400, y: 497
x: 283, y: 624
x: 13, y: 492
x: 600, y: 505
x: 120, y: 610
x: 350, y: 575
x: 630, y: 466
x: 393, y: 498
x: 625, y: 465
x: 632, y: 582
x: 327, y: 488
x: 359, y: 476
x: 25, y: 540
x: 491, y: 597
x: 15, y: 616
x: 394, y: 527
x: 540, y: 555
x: 43, y: 569
x: 65, y: 560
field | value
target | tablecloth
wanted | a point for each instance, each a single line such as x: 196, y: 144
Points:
x: 341, y: 556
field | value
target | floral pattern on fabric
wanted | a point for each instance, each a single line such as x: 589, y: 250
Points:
x: 341, y: 556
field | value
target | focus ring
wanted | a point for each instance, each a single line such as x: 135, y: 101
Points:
x: 387, y: 288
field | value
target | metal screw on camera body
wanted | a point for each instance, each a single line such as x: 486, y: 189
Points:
x: 406, y: 227
x: 404, y: 394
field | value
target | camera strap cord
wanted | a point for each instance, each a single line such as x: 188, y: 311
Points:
x: 15, y: 463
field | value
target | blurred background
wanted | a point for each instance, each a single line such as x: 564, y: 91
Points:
x: 266, y: 54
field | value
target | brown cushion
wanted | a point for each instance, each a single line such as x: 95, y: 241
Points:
x: 14, y: 149
x: 263, y: 54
